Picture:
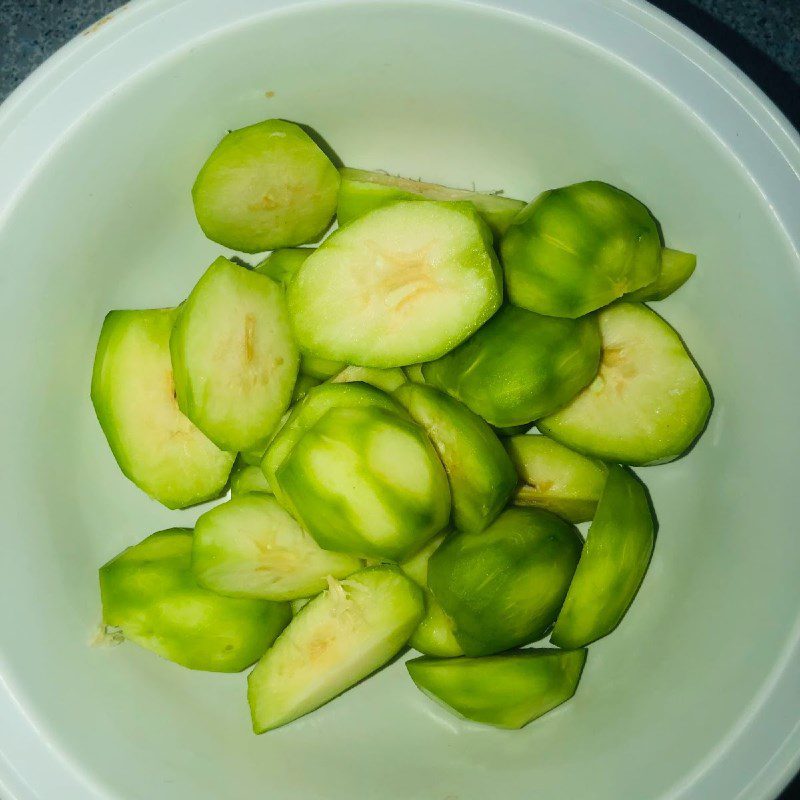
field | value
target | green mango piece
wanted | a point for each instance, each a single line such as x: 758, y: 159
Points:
x: 512, y: 430
x: 302, y: 386
x: 519, y: 366
x: 434, y: 635
x: 366, y: 481
x: 265, y: 187
x: 414, y: 373
x: 361, y: 191
x: 676, y: 268
x: 251, y: 547
x: 504, y: 587
x: 252, y: 458
x: 246, y: 479
x: 133, y: 394
x: 648, y: 403
x: 556, y: 478
x: 386, y: 379
x: 233, y: 356
x: 344, y: 634
x: 149, y: 592
x: 576, y: 249
x: 405, y: 283
x: 317, y: 402
x: 613, y: 563
x: 482, y: 477
x: 506, y: 691
x: 281, y: 265
x: 299, y: 604
x: 321, y: 368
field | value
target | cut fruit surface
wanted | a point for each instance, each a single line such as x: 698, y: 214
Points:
x: 336, y: 640
x: 613, y: 563
x: 150, y: 593
x: 317, y: 402
x: 504, y: 587
x: 281, y: 265
x: 264, y: 187
x: 676, y: 269
x: 233, y: 356
x: 155, y: 445
x: 507, y: 691
x: 302, y: 387
x: 320, y: 368
x: 366, y: 481
x: 246, y: 479
x: 556, y: 478
x: 362, y: 191
x: 649, y: 401
x: 251, y: 547
x: 482, y: 477
x: 405, y: 283
x: 519, y: 366
x: 576, y: 249
x: 386, y: 379
x: 434, y: 635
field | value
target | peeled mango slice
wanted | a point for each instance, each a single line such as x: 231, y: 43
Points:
x: 576, y: 249
x: 649, y: 401
x: 150, y: 593
x: 504, y: 587
x: 676, y: 269
x: 251, y: 547
x: 308, y: 412
x: 482, y: 477
x: 519, y: 366
x: 434, y: 635
x: 133, y: 394
x: 302, y: 386
x: 362, y: 191
x: 386, y: 379
x: 265, y: 187
x: 404, y: 283
x: 613, y: 564
x: 556, y: 478
x: 281, y: 265
x: 366, y: 481
x: 414, y: 373
x: 233, y: 356
x: 246, y: 479
x: 320, y: 368
x: 506, y: 691
x: 336, y: 640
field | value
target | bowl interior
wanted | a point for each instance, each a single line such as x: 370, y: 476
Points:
x: 464, y: 96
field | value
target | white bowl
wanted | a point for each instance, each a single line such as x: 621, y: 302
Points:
x: 697, y: 695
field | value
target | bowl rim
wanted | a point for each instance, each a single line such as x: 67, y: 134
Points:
x: 24, y: 748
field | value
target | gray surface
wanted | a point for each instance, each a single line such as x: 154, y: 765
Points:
x: 761, y: 36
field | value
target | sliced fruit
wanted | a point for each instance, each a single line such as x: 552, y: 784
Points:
x: 482, y: 477
x: 150, y: 593
x: 281, y: 265
x: 251, y: 547
x: 308, y: 412
x: 434, y: 635
x: 246, y: 479
x: 414, y: 373
x: 613, y: 563
x: 507, y: 691
x: 513, y: 430
x: 649, y: 401
x: 320, y: 368
x: 386, y: 379
x: 556, y: 478
x: 302, y: 386
x: 252, y: 458
x: 133, y: 394
x: 264, y: 187
x: 404, y: 283
x: 339, y: 638
x: 579, y: 248
x: 676, y: 268
x: 362, y: 191
x: 366, y: 481
x: 519, y: 366
x: 299, y: 604
x: 233, y: 356
x: 503, y: 587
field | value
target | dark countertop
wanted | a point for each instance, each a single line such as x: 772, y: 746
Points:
x: 761, y: 36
